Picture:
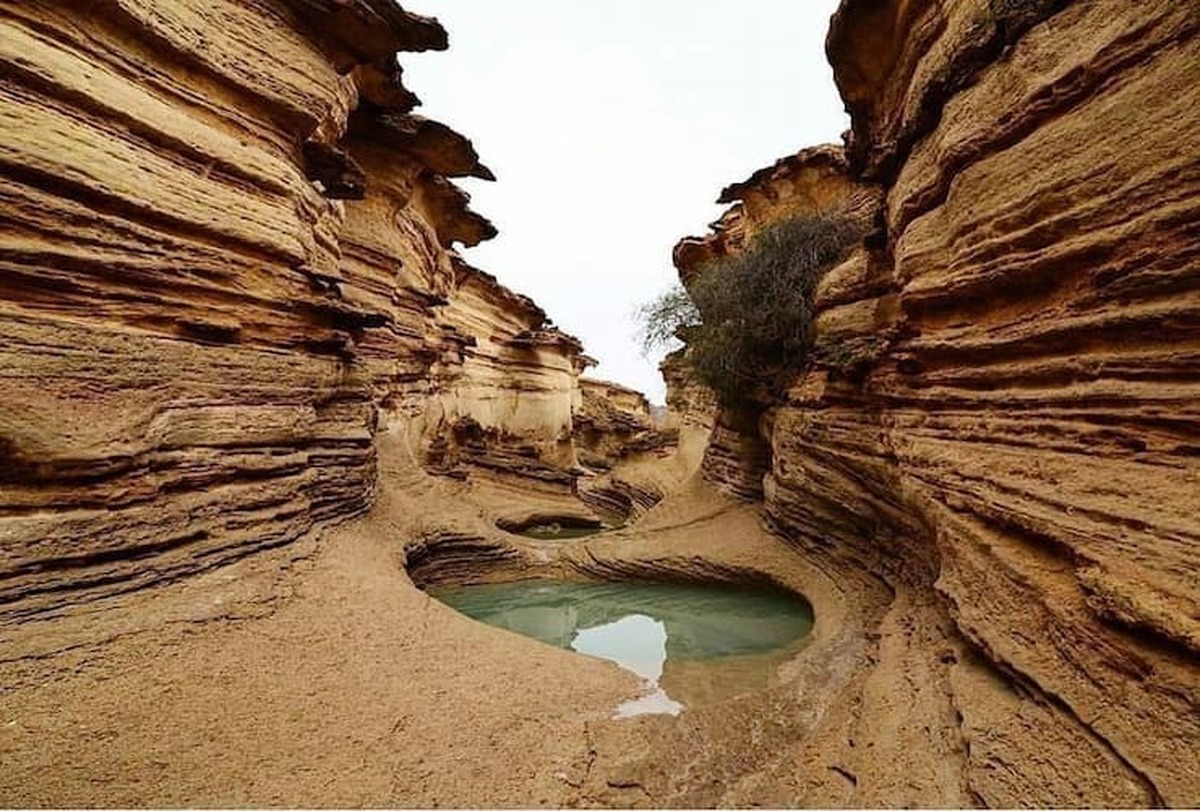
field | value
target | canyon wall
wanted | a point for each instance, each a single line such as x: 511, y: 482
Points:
x: 507, y: 392
x: 813, y: 182
x: 999, y: 422
x: 227, y: 263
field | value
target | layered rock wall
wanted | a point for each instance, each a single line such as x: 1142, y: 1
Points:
x: 515, y: 376
x: 622, y: 451
x: 226, y: 261
x: 622, y: 398
x: 613, y: 422
x: 1000, y: 419
x: 689, y: 402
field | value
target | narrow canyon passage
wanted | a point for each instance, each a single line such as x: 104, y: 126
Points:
x: 940, y: 381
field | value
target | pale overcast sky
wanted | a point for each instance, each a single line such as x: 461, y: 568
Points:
x: 611, y: 128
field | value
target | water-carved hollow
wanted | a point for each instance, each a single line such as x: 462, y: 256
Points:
x: 690, y: 643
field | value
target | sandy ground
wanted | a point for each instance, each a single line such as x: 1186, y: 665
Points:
x: 318, y: 674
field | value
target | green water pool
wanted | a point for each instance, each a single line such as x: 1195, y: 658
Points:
x: 687, y: 642
x: 557, y: 532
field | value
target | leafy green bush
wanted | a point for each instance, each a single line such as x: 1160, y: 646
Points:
x: 747, y: 318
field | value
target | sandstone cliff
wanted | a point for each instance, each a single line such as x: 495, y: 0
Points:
x: 999, y: 423
x: 509, y: 384
x: 228, y: 263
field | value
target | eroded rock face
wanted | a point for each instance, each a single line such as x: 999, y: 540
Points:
x: 617, y: 439
x: 1000, y: 420
x: 515, y: 375
x: 228, y: 262
x: 613, y: 422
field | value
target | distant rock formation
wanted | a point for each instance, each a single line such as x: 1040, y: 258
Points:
x: 615, y: 434
x: 613, y: 422
x: 1000, y: 421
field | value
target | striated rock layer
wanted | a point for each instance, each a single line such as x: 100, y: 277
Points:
x: 613, y: 422
x: 622, y: 449
x: 227, y: 269
x: 813, y: 181
x: 1000, y: 420
x: 226, y: 262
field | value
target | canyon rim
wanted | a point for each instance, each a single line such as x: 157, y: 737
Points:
x: 254, y: 401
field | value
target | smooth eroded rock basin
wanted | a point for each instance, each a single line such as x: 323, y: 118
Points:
x: 689, y: 643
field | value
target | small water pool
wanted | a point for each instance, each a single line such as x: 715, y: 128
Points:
x: 553, y: 527
x: 558, y: 532
x: 689, y: 643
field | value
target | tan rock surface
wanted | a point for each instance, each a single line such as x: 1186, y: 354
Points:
x: 173, y: 395
x: 633, y: 460
x: 316, y: 674
x: 1011, y: 451
x: 611, y: 422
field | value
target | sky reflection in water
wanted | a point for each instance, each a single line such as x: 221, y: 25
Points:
x: 660, y: 632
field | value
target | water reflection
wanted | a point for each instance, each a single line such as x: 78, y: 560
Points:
x: 688, y: 643
x: 637, y: 643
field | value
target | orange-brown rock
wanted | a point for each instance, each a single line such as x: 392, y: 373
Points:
x: 227, y: 264
x: 431, y: 144
x: 509, y: 379
x: 228, y: 279
x: 1000, y: 419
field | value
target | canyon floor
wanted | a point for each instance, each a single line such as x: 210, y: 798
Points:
x: 319, y: 674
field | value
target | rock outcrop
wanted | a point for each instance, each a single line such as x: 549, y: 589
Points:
x: 613, y: 422
x: 999, y: 421
x: 814, y: 181
x: 228, y: 262
x: 620, y: 447
x: 506, y: 390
